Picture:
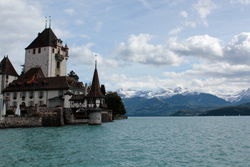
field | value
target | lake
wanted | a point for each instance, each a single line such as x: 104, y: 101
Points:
x: 137, y: 141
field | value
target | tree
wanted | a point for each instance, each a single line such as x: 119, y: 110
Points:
x: 72, y: 74
x: 114, y: 102
x: 103, y: 90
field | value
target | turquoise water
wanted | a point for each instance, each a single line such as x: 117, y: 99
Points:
x: 148, y: 141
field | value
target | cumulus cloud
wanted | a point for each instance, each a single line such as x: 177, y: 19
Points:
x: 238, y: 50
x: 204, y: 8
x: 137, y: 49
x: 175, y: 30
x: 190, y: 24
x: 184, y: 14
x: 209, y: 77
x: 205, y: 47
x: 70, y: 11
x: 79, y: 22
x: 16, y: 34
x: 83, y: 55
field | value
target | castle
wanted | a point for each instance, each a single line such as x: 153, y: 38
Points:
x: 45, y: 81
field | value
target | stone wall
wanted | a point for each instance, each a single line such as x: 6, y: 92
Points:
x: 15, y: 122
x: 52, y: 117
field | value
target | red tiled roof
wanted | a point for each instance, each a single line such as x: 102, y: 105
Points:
x: 46, y: 38
x: 7, y: 67
x: 42, y: 83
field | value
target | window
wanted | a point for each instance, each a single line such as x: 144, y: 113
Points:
x: 44, y: 49
x: 60, y: 93
x: 58, y: 65
x: 14, y: 103
x: 31, y: 95
x: 14, y: 96
x: 39, y: 50
x: 22, y: 94
x: 53, y: 50
x: 58, y: 51
x: 30, y: 103
x: 34, y: 51
x: 40, y: 95
x: 41, y: 103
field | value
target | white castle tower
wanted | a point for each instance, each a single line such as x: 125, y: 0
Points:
x: 47, y: 52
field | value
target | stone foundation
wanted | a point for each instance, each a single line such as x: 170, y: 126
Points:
x: 16, y: 122
x: 95, y: 117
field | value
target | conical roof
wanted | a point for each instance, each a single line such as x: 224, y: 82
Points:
x: 95, y: 91
x: 7, y: 67
x: 46, y: 38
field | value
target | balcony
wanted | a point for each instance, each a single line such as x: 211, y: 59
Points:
x: 59, y: 57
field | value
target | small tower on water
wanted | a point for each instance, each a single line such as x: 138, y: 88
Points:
x: 95, y: 101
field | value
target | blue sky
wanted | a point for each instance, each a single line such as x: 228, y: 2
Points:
x: 143, y: 45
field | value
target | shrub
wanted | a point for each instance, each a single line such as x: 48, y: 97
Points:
x: 10, y: 112
x: 36, y: 114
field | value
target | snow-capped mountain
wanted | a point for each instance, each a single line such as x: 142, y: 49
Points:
x: 161, y: 93
x: 230, y: 96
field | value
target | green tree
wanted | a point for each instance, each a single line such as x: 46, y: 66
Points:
x: 114, y: 102
x: 103, y: 90
x: 72, y: 74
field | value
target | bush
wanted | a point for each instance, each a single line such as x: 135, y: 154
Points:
x: 36, y: 114
x: 10, y: 112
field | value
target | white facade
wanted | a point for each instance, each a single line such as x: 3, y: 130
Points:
x: 5, y: 80
x: 53, y: 61
x: 41, y: 97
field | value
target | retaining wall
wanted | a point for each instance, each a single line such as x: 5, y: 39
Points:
x: 15, y: 122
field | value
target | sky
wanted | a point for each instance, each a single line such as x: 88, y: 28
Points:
x: 202, y: 45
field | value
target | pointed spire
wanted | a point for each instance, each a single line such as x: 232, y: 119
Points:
x: 49, y: 21
x: 95, y: 61
x: 95, y: 91
x: 45, y: 22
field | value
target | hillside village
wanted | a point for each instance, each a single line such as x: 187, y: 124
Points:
x: 44, y: 85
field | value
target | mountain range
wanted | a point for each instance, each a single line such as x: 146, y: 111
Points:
x: 164, y: 102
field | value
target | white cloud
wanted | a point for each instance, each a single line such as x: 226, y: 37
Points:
x: 210, y: 77
x: 145, y: 4
x: 205, y: 47
x: 63, y: 34
x: 137, y: 49
x: 84, y: 36
x: 70, y: 11
x: 79, y: 22
x: 190, y: 24
x: 204, y: 8
x: 98, y: 26
x: 238, y: 50
x: 175, y: 30
x: 82, y: 55
x: 244, y: 2
x: 20, y: 22
x: 184, y: 14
